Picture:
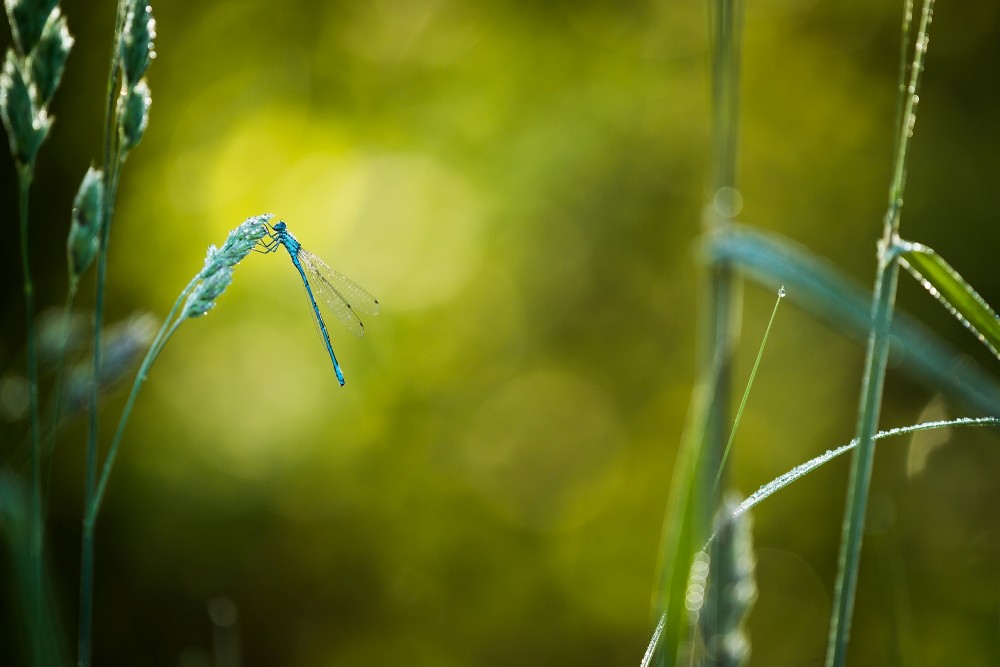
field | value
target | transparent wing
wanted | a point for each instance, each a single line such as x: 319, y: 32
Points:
x: 344, y: 297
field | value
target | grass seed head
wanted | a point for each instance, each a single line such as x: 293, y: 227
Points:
x: 27, y: 21
x: 85, y: 227
x: 26, y: 122
x: 136, y: 48
x: 133, y: 114
x: 48, y: 60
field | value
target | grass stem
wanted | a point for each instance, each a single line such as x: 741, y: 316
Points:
x: 167, y: 330
x: 25, y: 173
x: 873, y: 382
x: 112, y: 163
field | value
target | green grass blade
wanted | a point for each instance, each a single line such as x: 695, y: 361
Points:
x: 746, y: 392
x: 947, y: 286
x: 804, y: 469
x: 680, y: 542
x: 796, y: 473
x: 818, y: 288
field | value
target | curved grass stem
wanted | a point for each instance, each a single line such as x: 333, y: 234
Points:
x: 162, y: 336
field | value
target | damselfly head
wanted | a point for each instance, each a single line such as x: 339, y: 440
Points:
x: 280, y: 226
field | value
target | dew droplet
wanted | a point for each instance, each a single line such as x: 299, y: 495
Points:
x: 782, y: 292
x: 728, y: 202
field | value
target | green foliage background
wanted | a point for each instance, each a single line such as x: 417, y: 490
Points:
x: 521, y: 186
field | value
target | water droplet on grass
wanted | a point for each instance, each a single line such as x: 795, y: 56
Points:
x: 728, y: 202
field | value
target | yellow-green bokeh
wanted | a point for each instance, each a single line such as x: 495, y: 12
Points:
x: 521, y: 185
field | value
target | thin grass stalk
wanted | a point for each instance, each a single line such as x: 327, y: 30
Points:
x: 887, y: 274
x: 726, y: 29
x: 112, y: 161
x: 219, y: 264
x: 92, y: 509
x: 723, y: 302
x: 861, y: 463
x: 25, y: 173
x: 746, y: 394
x: 167, y: 330
x: 723, y: 299
x: 722, y: 326
x: 693, y: 500
x: 904, y: 51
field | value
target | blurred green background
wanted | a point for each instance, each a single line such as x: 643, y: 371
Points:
x: 521, y: 185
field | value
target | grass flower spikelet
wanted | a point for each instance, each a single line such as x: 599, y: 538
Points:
x: 48, y: 60
x: 27, y: 20
x: 27, y: 124
x: 217, y: 273
x: 85, y: 227
x: 133, y: 114
x: 136, y: 47
x: 202, y: 299
x: 240, y: 242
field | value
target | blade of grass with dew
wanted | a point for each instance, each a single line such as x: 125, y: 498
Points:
x: 946, y: 285
x: 800, y: 471
x: 654, y: 643
x: 746, y: 392
x: 686, y: 482
x: 818, y: 288
x: 876, y: 362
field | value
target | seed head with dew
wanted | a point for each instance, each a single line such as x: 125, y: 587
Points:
x: 217, y: 273
x: 48, y: 60
x: 202, y: 299
x: 27, y: 21
x: 27, y: 122
x: 136, y: 47
x: 85, y: 227
x: 133, y: 114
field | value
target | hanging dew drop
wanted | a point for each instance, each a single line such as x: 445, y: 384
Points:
x: 782, y: 292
